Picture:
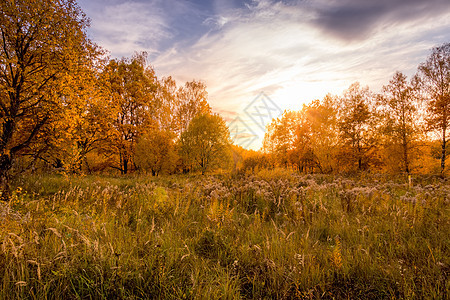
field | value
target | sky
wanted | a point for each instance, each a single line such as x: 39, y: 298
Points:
x: 261, y: 57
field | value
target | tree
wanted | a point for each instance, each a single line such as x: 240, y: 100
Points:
x: 43, y: 47
x: 323, y: 140
x: 305, y: 139
x: 132, y: 87
x: 191, y: 102
x: 91, y: 129
x: 435, y: 74
x: 206, y: 142
x: 255, y: 160
x: 155, y: 151
x: 88, y: 129
x: 281, y: 135
x: 357, y: 126
x: 167, y: 104
x: 302, y: 154
x: 399, y: 109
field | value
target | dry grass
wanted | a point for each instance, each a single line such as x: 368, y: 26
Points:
x: 273, y: 235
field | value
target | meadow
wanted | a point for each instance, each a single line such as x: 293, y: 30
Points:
x: 269, y: 235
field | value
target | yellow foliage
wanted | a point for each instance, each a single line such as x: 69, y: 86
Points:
x: 337, y: 255
x: 219, y: 212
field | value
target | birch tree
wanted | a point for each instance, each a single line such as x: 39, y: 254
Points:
x: 435, y: 74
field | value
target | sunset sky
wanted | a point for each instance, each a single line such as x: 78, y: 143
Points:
x: 292, y: 51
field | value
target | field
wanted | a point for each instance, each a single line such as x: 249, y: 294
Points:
x: 272, y: 235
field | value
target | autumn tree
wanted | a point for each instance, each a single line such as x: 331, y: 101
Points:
x: 305, y: 139
x: 435, y: 74
x: 132, y: 86
x: 167, y: 104
x: 43, y: 46
x: 255, y: 160
x: 206, y: 142
x: 323, y: 139
x: 191, y: 101
x: 302, y: 155
x: 237, y: 154
x: 83, y: 129
x: 280, y: 139
x: 156, y: 152
x: 357, y: 127
x: 282, y: 136
x: 399, y: 110
x: 91, y: 128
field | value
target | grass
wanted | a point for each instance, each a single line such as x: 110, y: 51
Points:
x: 273, y: 235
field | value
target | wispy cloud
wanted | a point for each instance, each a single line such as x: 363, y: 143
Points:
x: 124, y: 27
x: 274, y: 47
x: 293, y: 50
x: 129, y: 26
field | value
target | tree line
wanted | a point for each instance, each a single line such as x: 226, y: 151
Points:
x: 64, y: 104
x: 404, y: 128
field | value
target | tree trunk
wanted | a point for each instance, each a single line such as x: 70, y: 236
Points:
x: 444, y: 142
x: 359, y: 155
x: 405, y: 155
x: 125, y: 166
x: 5, y: 167
x: 88, y: 167
x: 6, y: 158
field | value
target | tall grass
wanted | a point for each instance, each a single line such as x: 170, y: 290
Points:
x: 271, y: 235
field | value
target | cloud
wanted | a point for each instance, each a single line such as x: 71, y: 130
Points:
x: 272, y: 41
x: 130, y: 25
x: 124, y: 27
x: 294, y: 51
x: 279, y: 49
x: 217, y: 22
x: 358, y: 19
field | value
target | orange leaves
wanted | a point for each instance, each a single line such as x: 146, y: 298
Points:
x: 44, y: 50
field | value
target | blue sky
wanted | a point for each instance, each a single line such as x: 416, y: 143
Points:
x: 293, y: 51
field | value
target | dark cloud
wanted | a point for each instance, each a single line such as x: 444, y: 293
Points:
x: 357, y: 19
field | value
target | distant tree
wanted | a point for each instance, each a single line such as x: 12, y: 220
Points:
x: 435, y: 75
x: 250, y: 163
x: 399, y: 108
x: 93, y: 128
x: 256, y: 160
x: 302, y: 155
x: 238, y: 154
x: 283, y: 136
x: 357, y: 126
x: 305, y: 139
x: 280, y: 136
x: 43, y: 48
x: 155, y: 151
x: 269, y: 138
x: 206, y: 143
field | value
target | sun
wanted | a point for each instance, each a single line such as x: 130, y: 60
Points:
x: 294, y: 95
